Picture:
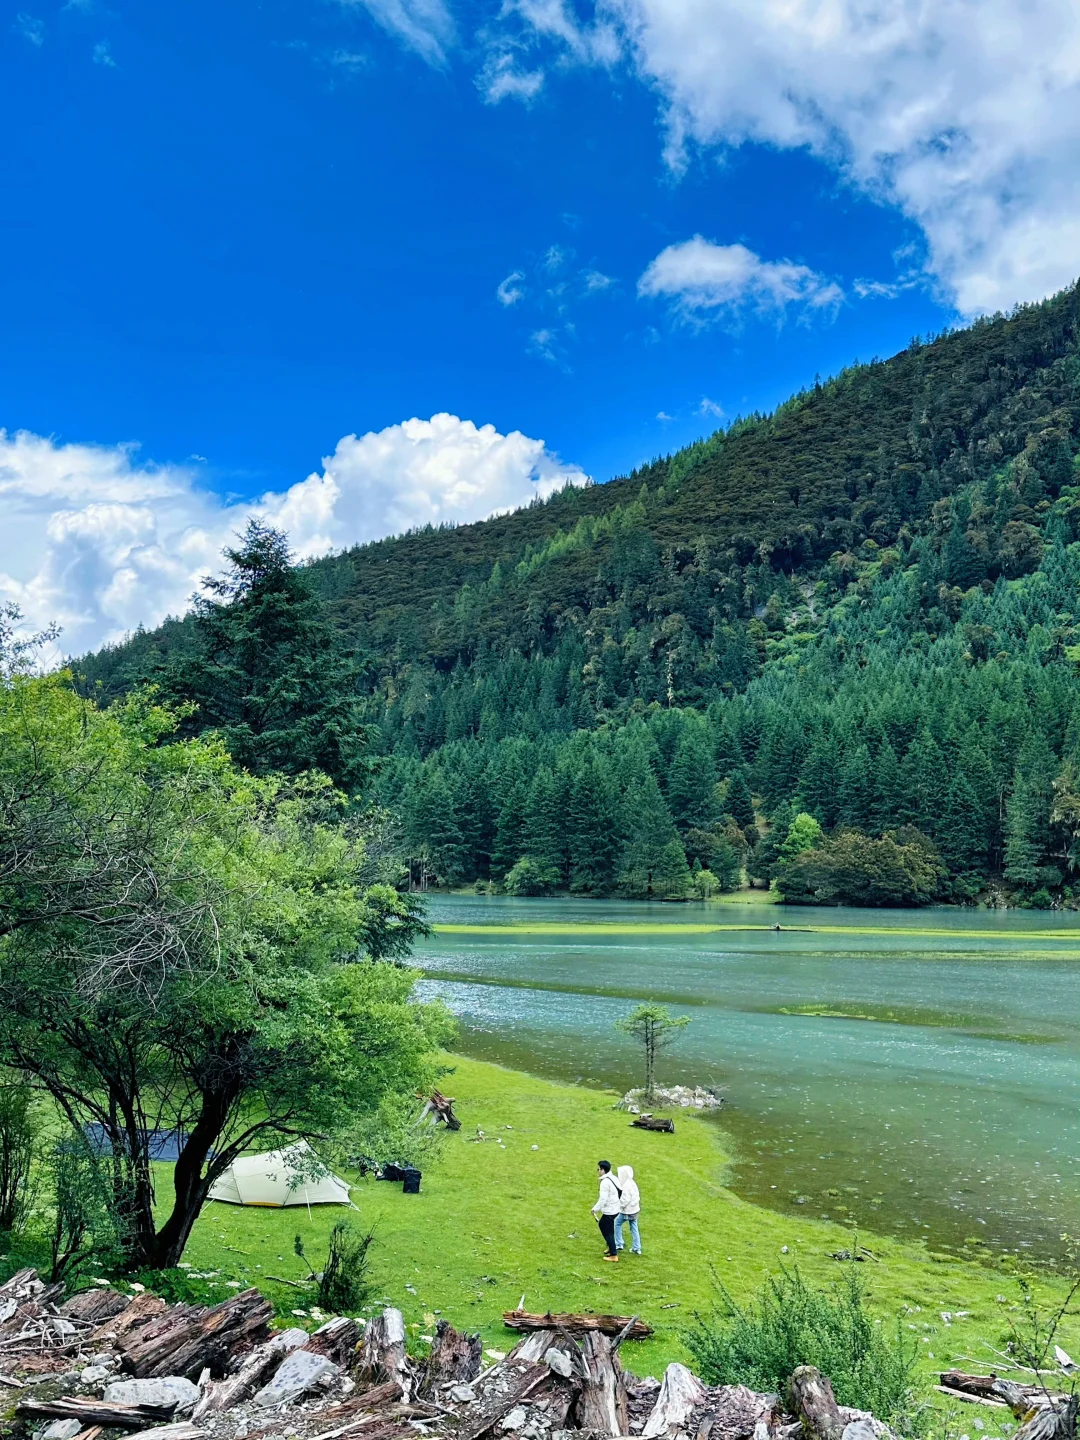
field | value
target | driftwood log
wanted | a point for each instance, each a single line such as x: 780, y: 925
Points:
x: 654, y: 1122
x: 185, y: 1339
x: 95, y: 1305
x: 1052, y: 1422
x: 1019, y: 1398
x: 95, y: 1412
x: 577, y: 1324
x: 811, y: 1398
x: 442, y: 1108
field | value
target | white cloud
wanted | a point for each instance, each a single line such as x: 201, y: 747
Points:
x: 710, y: 408
x: 596, y: 281
x: 700, y: 276
x: 425, y: 26
x: 103, y: 55
x: 501, y: 79
x: 509, y: 291
x: 962, y: 114
x: 100, y: 543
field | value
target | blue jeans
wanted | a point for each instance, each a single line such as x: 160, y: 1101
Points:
x: 635, y: 1238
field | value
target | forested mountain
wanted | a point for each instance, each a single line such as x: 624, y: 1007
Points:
x: 860, y: 610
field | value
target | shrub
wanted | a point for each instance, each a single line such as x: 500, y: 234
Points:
x: 850, y: 868
x: 789, y: 1324
x: 531, y: 877
x: 343, y: 1284
x: 84, y: 1224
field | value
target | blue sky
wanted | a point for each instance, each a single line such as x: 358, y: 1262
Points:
x: 233, y: 235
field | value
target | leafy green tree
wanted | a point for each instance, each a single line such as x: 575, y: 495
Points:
x: 902, y: 868
x: 268, y: 670
x: 804, y: 833
x: 531, y: 876
x: 181, y: 949
x: 655, y: 1028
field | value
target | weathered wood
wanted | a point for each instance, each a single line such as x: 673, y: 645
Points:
x: 141, y: 1309
x: 601, y: 1405
x: 442, y: 1107
x: 534, y: 1346
x: 577, y: 1323
x: 337, y: 1340
x: 185, y: 1338
x: 1052, y: 1422
x: 249, y: 1374
x: 970, y: 1399
x: 455, y: 1357
x: 654, y: 1122
x: 811, y: 1398
x: 182, y: 1430
x: 680, y: 1393
x: 94, y: 1306
x: 95, y: 1412
x: 381, y: 1352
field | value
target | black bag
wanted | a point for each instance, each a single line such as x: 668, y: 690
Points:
x: 411, y: 1183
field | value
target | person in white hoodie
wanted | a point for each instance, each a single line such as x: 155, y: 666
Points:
x: 629, y: 1210
x: 607, y: 1207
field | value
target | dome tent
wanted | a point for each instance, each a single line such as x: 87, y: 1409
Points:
x: 294, y: 1176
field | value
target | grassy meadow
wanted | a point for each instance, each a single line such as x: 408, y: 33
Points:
x: 508, y: 1218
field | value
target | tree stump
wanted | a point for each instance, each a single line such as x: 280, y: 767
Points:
x: 381, y: 1351
x: 812, y: 1399
x: 455, y: 1358
x: 601, y: 1405
x: 679, y: 1394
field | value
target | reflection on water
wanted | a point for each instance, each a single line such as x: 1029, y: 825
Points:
x: 934, y: 1093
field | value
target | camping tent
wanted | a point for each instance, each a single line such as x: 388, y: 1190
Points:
x: 294, y: 1176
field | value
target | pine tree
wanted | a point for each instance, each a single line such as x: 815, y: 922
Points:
x: 888, y: 803
x: 509, y: 832
x: 925, y: 783
x: 692, y: 781
x: 592, y: 831
x: 671, y: 879
x: 961, y: 835
x: 268, y: 670
x: 857, y: 790
x: 646, y: 822
x: 818, y: 790
x: 1027, y: 860
x: 739, y: 803
x: 543, y: 822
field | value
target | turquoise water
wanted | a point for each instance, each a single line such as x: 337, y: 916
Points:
x: 939, y: 1097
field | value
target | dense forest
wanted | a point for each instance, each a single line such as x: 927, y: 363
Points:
x: 834, y: 648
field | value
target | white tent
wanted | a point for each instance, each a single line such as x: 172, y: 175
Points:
x: 294, y: 1176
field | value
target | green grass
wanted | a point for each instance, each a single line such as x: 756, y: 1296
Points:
x: 497, y: 1222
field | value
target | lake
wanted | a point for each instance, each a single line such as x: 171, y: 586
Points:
x: 914, y: 1072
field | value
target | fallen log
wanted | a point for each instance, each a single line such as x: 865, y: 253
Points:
x: 442, y: 1107
x: 1052, y: 1422
x: 1020, y: 1398
x: 653, y: 1122
x: 337, y: 1340
x: 94, y: 1306
x: 137, y: 1313
x: 577, y: 1324
x: 95, y: 1412
x: 182, y: 1430
x: 252, y: 1370
x: 811, y: 1398
x: 969, y: 1399
x: 455, y: 1358
x: 184, y: 1339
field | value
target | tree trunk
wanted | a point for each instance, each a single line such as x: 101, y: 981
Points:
x: 191, y: 1181
x: 602, y: 1403
x: 679, y: 1394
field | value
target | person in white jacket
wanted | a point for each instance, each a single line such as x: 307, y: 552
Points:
x: 629, y: 1210
x: 607, y: 1207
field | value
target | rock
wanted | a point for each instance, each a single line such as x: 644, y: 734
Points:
x: 169, y: 1390
x: 295, y: 1377
x: 559, y: 1362
x: 95, y: 1375
x: 859, y: 1430
x: 515, y: 1420
x: 463, y: 1394
x: 60, y: 1430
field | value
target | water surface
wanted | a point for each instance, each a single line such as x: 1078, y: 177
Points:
x: 910, y: 1071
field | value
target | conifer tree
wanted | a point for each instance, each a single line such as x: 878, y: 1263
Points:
x: 961, y: 837
x: 739, y: 803
x: 1027, y: 860
x: 692, y: 781
x: 857, y: 790
x: 671, y: 879
x: 509, y: 843
x: 646, y: 822
x: 592, y: 824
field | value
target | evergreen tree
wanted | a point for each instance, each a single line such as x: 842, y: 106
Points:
x: 592, y: 823
x: 692, y: 781
x: 1027, y: 859
x: 739, y: 803
x: 818, y: 790
x: 544, y: 822
x: 925, y: 783
x: 961, y: 837
x: 671, y: 879
x: 888, y: 804
x: 268, y: 670
x: 434, y: 831
x: 857, y: 790
x: 648, y: 827
x: 509, y: 843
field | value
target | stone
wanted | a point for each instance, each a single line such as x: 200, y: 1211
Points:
x: 295, y: 1377
x: 60, y: 1430
x: 559, y: 1362
x: 859, y: 1430
x: 94, y: 1375
x: 463, y: 1394
x: 169, y: 1390
x: 515, y: 1420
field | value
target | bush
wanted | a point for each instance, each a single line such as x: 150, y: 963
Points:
x: 390, y: 1135
x: 849, y: 868
x: 18, y: 1149
x: 531, y: 877
x: 790, y: 1324
x: 84, y: 1225
x: 343, y: 1284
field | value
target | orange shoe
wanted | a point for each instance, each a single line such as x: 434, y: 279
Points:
x: 611, y: 1259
